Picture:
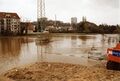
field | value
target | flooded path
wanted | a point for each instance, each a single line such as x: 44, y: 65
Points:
x: 65, y: 48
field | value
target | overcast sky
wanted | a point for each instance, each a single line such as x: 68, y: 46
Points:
x: 98, y: 11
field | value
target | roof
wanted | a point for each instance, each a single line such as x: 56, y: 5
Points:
x: 9, y: 15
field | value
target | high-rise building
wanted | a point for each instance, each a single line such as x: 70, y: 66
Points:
x: 74, y: 20
x: 84, y: 19
x: 9, y: 23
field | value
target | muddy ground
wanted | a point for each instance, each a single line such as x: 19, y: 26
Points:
x: 44, y: 71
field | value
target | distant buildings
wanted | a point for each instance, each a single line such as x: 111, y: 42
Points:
x: 74, y: 20
x: 9, y: 23
x: 84, y: 19
x: 27, y: 28
x: 73, y: 24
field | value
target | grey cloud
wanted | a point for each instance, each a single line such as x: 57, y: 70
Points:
x: 109, y: 3
x: 1, y: 3
x: 64, y: 9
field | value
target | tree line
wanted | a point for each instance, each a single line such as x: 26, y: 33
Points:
x: 88, y: 27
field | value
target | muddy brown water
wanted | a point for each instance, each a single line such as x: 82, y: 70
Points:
x: 64, y: 48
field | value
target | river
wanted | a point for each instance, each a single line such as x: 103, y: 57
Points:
x: 64, y: 48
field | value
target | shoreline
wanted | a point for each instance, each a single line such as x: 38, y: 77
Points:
x: 51, y: 71
x: 39, y: 33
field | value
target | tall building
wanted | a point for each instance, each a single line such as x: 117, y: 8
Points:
x: 9, y: 23
x: 74, y: 20
x: 84, y: 19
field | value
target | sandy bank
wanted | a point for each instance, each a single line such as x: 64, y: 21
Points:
x: 5, y: 79
x: 62, y: 72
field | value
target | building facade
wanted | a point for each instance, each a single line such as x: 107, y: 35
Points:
x: 9, y: 23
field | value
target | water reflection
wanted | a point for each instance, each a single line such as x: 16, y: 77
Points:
x: 10, y: 50
x: 16, y: 51
x: 9, y: 47
x: 69, y: 48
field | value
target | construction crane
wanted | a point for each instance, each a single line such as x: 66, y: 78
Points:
x: 41, y: 15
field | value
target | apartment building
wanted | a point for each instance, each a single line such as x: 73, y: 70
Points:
x: 9, y: 23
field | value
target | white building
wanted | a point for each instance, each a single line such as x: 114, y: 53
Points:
x: 84, y: 19
x: 74, y: 20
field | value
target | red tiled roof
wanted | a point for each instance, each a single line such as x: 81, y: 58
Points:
x: 9, y: 15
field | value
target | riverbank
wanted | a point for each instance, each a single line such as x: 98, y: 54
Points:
x: 44, y: 71
x: 39, y: 33
x: 5, y: 79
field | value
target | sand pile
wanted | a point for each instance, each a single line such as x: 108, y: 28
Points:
x: 62, y: 72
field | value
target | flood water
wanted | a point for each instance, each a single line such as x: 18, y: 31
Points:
x: 64, y: 48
